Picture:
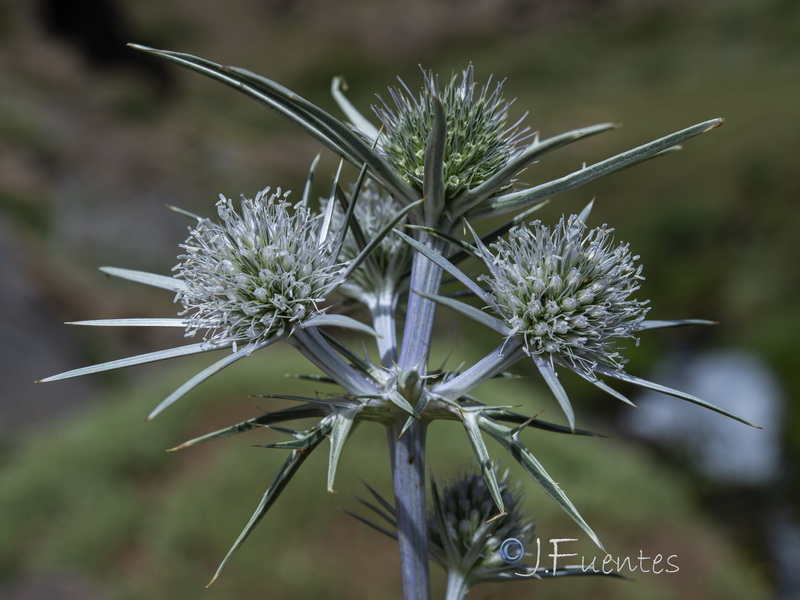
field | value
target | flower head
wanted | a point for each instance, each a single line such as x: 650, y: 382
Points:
x: 567, y: 291
x: 256, y: 273
x: 374, y: 209
x: 479, y: 139
x: 464, y: 536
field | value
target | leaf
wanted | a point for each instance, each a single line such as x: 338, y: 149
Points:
x: 328, y: 130
x: 622, y: 376
x: 207, y: 373
x: 338, y: 401
x: 139, y: 360
x: 398, y: 400
x: 470, y: 420
x: 447, y: 266
x: 655, y: 324
x: 524, y: 198
x: 351, y: 112
x: 433, y: 185
x: 131, y: 323
x: 470, y: 312
x: 287, y: 414
x: 287, y: 471
x: 378, y: 238
x: 508, y: 416
x: 159, y: 281
x: 517, y: 164
x: 528, y: 462
x: 342, y: 424
x: 551, y: 379
x: 342, y: 321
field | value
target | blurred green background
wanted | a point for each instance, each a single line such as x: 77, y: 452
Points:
x: 95, y: 140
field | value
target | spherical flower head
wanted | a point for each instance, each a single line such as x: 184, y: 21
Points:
x: 479, y: 140
x: 470, y: 528
x: 257, y: 272
x: 567, y: 291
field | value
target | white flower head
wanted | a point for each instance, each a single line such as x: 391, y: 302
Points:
x: 258, y: 272
x: 567, y: 291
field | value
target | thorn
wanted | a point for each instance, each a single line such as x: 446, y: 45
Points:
x: 497, y: 516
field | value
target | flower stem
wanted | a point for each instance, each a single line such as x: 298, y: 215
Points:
x: 407, y: 454
x: 383, y: 307
x: 426, y: 277
x: 457, y: 587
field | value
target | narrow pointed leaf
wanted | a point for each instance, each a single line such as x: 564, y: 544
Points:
x: 331, y: 132
x: 338, y: 401
x: 159, y: 281
x: 551, y: 378
x: 359, y: 363
x: 532, y: 466
x: 398, y: 400
x: 355, y: 117
x: 622, y: 376
x: 387, y: 506
x: 341, y: 321
x: 447, y: 266
x: 278, y: 100
x: 349, y: 222
x: 287, y: 414
x: 310, y: 179
x: 378, y: 238
x: 497, y: 232
x: 131, y: 323
x: 184, y: 212
x: 206, y: 374
x: 139, y: 360
x: 288, y: 470
x: 328, y: 216
x: 508, y: 416
x: 372, y: 524
x: 460, y: 244
x: 522, y: 161
x: 470, y: 421
x: 583, y: 217
x: 469, y: 312
x: 524, y: 198
x: 433, y: 182
x: 659, y: 324
x: 342, y: 424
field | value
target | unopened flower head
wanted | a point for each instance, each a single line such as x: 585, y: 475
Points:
x: 567, y: 291
x: 256, y: 273
x: 469, y: 526
x: 374, y: 209
x: 479, y: 139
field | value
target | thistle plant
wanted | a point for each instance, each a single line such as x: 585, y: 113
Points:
x: 442, y: 159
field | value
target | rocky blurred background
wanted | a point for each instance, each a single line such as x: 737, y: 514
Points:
x: 95, y: 140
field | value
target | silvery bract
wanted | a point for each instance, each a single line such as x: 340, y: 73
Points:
x: 271, y: 271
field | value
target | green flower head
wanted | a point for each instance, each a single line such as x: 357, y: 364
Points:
x: 479, y: 140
